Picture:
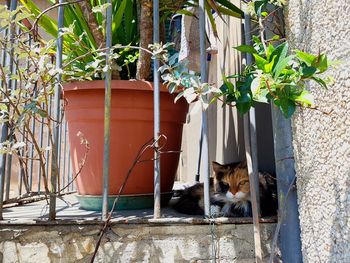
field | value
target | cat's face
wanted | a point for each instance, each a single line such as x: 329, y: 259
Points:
x: 232, y: 179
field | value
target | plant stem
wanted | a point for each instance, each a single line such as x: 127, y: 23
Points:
x: 146, y: 30
x: 262, y: 30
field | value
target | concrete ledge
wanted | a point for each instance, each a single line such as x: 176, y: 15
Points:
x: 131, y: 243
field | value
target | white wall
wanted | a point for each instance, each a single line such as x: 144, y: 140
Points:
x: 321, y: 141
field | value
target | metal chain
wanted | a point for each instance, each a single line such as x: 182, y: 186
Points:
x: 214, y: 239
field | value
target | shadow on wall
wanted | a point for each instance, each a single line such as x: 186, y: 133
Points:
x: 266, y: 155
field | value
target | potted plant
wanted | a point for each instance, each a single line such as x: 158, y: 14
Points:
x: 132, y: 100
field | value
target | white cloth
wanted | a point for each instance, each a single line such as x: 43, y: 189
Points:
x: 190, y: 43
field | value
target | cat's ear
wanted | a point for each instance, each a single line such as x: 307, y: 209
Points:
x: 219, y: 168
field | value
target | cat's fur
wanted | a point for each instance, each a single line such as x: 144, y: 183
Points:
x: 230, y: 193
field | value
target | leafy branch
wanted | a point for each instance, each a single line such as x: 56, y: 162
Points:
x: 278, y: 74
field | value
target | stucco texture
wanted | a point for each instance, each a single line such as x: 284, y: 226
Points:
x: 124, y: 243
x: 322, y: 141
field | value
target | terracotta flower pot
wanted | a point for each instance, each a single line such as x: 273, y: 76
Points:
x: 131, y: 127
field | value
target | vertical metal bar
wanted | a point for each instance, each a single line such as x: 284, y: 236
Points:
x: 27, y: 183
x: 48, y: 142
x: 57, y: 114
x: 8, y: 175
x: 31, y: 155
x: 64, y: 158
x: 9, y: 159
x: 4, y: 128
x: 70, y: 177
x: 107, y: 114
x: 59, y: 155
x: 289, y: 242
x: 4, y: 132
x: 205, y: 145
x: 156, y: 112
x: 253, y: 192
x: 251, y: 148
x: 21, y: 171
x: 252, y: 119
x: 41, y: 143
x: 4, y: 52
x: 199, y: 156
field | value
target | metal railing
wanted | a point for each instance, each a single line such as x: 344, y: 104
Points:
x: 21, y: 177
x: 59, y: 165
x: 27, y: 177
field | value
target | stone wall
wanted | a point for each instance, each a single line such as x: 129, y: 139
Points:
x: 322, y: 141
x: 130, y: 243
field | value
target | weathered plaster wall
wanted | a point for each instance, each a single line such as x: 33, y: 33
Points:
x: 321, y: 141
x: 129, y: 243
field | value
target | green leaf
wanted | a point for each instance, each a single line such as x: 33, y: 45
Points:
x: 231, y: 6
x: 269, y: 50
x: 281, y: 65
x: 42, y: 113
x: 227, y: 87
x: 275, y: 37
x: 287, y: 107
x: 244, y: 102
x: 307, y: 71
x: 307, y: 58
x: 243, y: 107
x: 260, y: 61
x: 229, y: 12
x: 256, y: 40
x: 75, y: 14
x: 130, y: 17
x: 246, y: 49
x: 262, y: 96
x: 211, y: 20
x: 305, y: 99
x: 185, y: 12
x: 47, y: 23
x: 269, y: 66
x: 244, y: 97
x: 118, y: 15
x: 280, y: 52
x: 320, y: 81
x: 321, y: 63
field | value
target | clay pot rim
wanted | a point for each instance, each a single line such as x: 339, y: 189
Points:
x: 115, y: 85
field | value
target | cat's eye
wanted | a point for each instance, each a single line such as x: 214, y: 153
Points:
x: 243, y: 183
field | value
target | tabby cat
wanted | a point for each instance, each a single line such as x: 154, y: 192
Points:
x: 230, y: 193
